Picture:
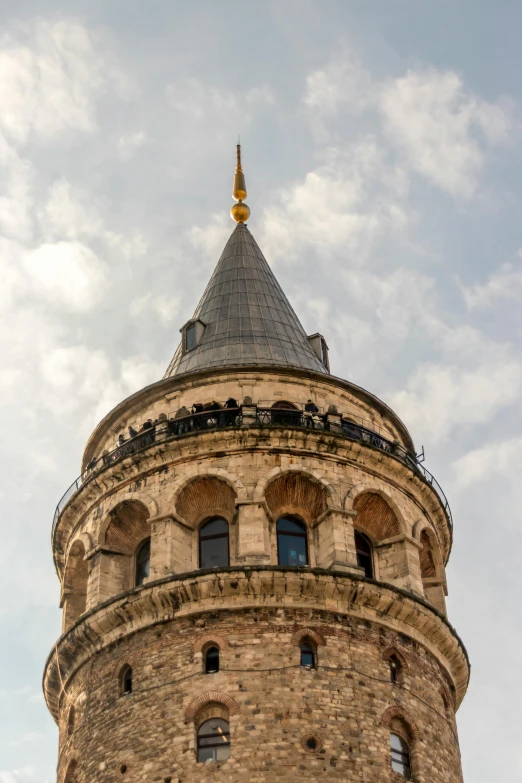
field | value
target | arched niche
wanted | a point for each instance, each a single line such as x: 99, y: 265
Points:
x: 127, y: 526
x: 205, y: 497
x: 377, y: 525
x: 375, y: 516
x: 75, y: 584
x: 296, y: 494
x: 432, y: 570
x: 122, y: 534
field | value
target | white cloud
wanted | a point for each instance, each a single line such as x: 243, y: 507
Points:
x: 196, y: 100
x: 433, y: 120
x: 503, y: 285
x: 129, y: 143
x: 440, y: 397
x: 342, y: 82
x: 52, y: 73
x: 501, y: 458
x: 20, y: 775
x: 68, y: 274
x: 348, y: 202
x: 166, y: 308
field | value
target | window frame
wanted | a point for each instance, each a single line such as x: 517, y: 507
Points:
x: 402, y: 757
x: 371, y: 555
x: 304, y: 535
x: 200, y: 747
x: 126, y: 677
x: 209, y: 649
x: 139, y: 549
x: 306, y: 642
x: 211, y: 537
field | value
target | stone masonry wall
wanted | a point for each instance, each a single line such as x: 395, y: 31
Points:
x: 342, y: 703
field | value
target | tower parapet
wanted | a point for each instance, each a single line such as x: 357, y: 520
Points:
x: 253, y: 584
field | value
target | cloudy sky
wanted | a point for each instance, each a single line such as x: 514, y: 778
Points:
x: 382, y: 152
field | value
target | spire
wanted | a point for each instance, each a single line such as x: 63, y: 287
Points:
x: 240, y: 212
x: 243, y: 318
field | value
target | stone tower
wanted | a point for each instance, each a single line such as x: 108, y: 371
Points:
x: 252, y: 575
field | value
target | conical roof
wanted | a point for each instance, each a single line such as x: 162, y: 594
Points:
x: 247, y: 318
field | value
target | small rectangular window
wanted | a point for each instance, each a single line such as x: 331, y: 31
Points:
x: 190, y: 337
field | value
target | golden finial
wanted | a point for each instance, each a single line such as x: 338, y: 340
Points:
x: 240, y: 212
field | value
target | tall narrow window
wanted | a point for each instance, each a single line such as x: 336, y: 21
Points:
x: 126, y: 680
x: 214, y: 740
x: 213, y: 544
x: 363, y: 549
x: 212, y: 660
x: 395, y: 668
x: 307, y: 655
x: 143, y: 562
x: 71, y: 720
x: 292, y: 546
x: 400, y: 756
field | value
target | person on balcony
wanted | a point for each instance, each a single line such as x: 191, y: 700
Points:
x: 230, y: 416
x: 121, y: 439
x: 310, y: 416
x: 132, y: 432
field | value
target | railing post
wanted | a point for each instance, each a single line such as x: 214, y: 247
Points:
x: 333, y: 420
x: 162, y: 427
x: 248, y: 413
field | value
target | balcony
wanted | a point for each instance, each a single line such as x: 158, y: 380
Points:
x: 251, y: 416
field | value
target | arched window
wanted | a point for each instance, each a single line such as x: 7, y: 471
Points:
x: 143, y: 562
x: 213, y: 544
x: 307, y: 654
x: 400, y: 756
x: 70, y: 721
x: 126, y: 680
x: 292, y: 546
x: 212, y: 660
x: 214, y: 740
x: 395, y: 668
x: 363, y: 550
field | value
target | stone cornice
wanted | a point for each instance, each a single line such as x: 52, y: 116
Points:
x: 235, y: 589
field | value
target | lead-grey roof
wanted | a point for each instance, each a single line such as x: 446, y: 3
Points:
x: 248, y: 319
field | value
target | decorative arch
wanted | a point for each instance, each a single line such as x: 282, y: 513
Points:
x: 205, y: 497
x: 314, y: 477
x: 390, y: 651
x: 429, y: 555
x: 126, y: 660
x: 231, y: 479
x: 375, y: 516
x: 126, y: 524
x: 395, y: 713
x: 208, y: 640
x: 308, y: 633
x: 198, y: 704
x: 75, y: 581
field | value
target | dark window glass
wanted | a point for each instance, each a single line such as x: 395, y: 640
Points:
x: 307, y: 655
x: 363, y: 549
x: 70, y: 724
x: 400, y: 756
x: 213, y: 544
x: 212, y: 660
x: 190, y: 337
x: 292, y: 546
x: 214, y: 740
x: 395, y: 668
x: 126, y: 680
x: 143, y: 562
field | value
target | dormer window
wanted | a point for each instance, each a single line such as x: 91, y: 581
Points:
x: 320, y: 348
x: 192, y: 333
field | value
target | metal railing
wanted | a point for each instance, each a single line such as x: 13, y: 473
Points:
x: 264, y: 417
